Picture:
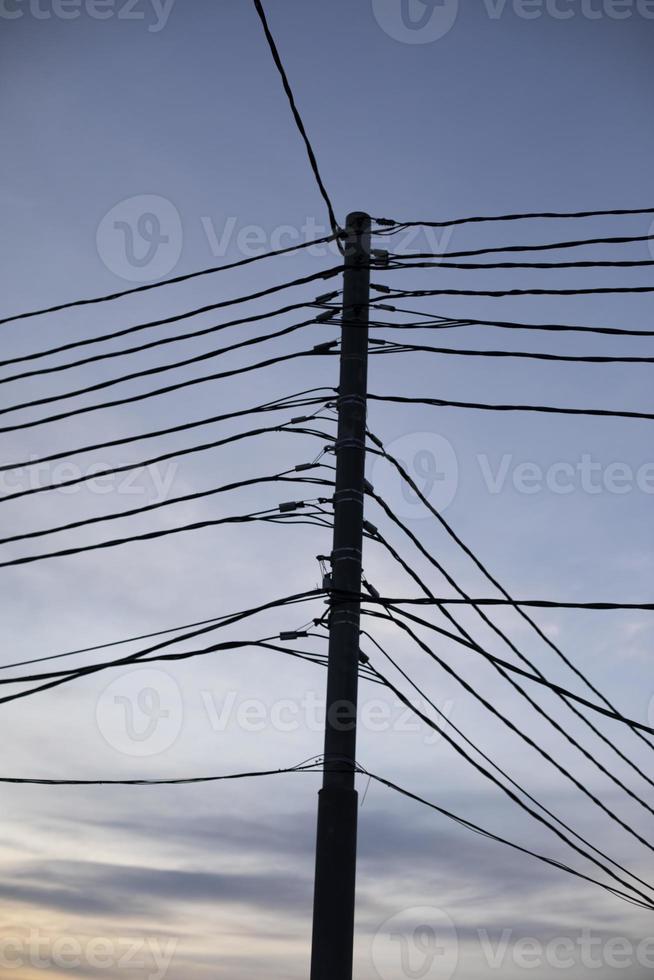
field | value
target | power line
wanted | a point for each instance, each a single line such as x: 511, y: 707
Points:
x: 401, y: 348
x: 598, y: 290
x: 165, y: 282
x: 396, y: 263
x: 543, y: 247
x: 484, y: 407
x: 181, y: 781
x: 443, y: 323
x: 511, y: 217
x: 297, y: 117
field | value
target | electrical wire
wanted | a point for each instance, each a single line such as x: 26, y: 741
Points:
x: 512, y: 217
x: 484, y: 407
x: 166, y: 282
x: 480, y: 266
x: 548, y: 247
x: 391, y: 348
x: 297, y: 117
x: 594, y: 291
x: 445, y: 323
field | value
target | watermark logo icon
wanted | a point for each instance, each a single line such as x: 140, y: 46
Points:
x: 416, y: 944
x: 416, y: 21
x: 431, y: 462
x: 140, y: 238
x: 141, y: 713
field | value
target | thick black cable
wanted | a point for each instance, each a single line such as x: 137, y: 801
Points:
x: 485, y: 407
x: 548, y: 247
x: 598, y: 290
x: 166, y: 282
x: 401, y: 348
x: 480, y: 266
x: 444, y: 323
x: 477, y: 219
x: 297, y: 117
x: 495, y: 582
x: 182, y: 781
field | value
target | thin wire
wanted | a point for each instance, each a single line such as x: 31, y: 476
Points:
x: 548, y: 247
x: 297, y: 117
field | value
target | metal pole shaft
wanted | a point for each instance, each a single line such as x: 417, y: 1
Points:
x: 333, y: 912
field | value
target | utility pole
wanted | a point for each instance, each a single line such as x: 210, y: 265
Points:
x: 333, y: 909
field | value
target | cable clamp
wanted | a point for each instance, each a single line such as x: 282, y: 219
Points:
x: 381, y: 289
x: 290, y: 505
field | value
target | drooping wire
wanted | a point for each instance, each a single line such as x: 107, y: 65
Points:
x: 479, y: 219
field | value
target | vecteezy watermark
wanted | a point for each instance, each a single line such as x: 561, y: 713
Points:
x: 423, y: 944
x: 39, y: 950
x: 430, y: 461
x: 153, y: 13
x: 141, y: 713
x: 588, y: 950
x: 416, y: 944
x: 426, y: 21
x: 140, y: 238
x: 416, y: 21
x: 432, y: 464
x: 154, y: 481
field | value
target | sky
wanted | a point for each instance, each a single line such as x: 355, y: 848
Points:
x: 149, y: 139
